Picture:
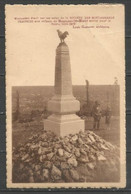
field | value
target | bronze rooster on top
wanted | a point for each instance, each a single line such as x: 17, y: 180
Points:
x: 62, y: 36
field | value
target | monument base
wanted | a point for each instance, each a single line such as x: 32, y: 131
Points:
x: 64, y: 128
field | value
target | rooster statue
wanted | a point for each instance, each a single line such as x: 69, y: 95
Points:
x: 61, y: 35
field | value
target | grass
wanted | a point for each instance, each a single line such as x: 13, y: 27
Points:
x: 23, y: 131
x: 112, y: 135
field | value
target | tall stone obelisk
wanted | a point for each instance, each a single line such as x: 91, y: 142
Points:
x: 63, y: 105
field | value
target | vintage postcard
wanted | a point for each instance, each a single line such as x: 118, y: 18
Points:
x: 65, y: 96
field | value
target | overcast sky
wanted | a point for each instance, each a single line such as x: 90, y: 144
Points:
x: 95, y: 54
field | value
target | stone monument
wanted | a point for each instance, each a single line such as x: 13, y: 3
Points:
x: 63, y: 106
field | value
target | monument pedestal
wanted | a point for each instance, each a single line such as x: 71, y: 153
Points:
x: 66, y: 127
x: 63, y: 105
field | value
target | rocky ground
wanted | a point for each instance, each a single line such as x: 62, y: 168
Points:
x: 84, y: 157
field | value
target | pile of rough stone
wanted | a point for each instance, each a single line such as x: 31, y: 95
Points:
x: 84, y: 157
